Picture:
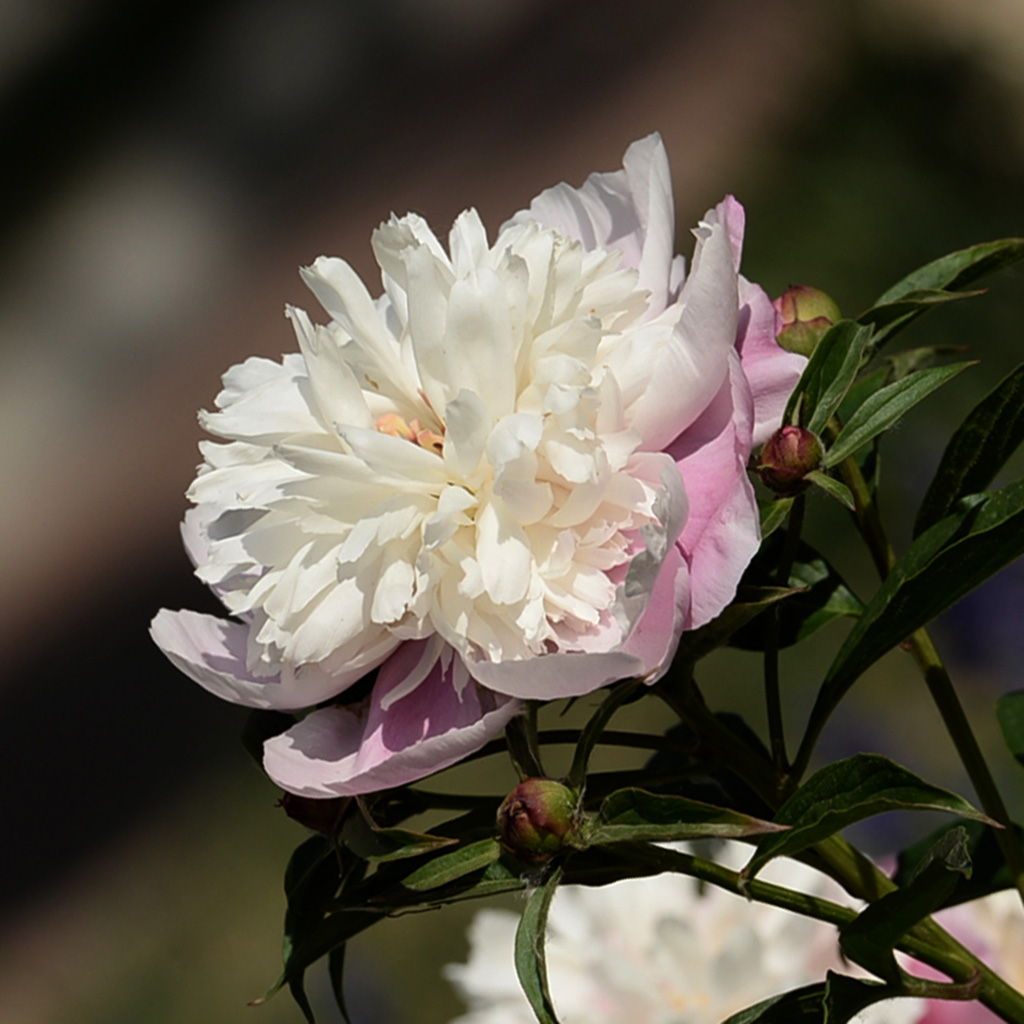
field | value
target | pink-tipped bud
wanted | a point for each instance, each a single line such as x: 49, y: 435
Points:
x: 537, y: 818
x: 807, y: 313
x: 787, y: 457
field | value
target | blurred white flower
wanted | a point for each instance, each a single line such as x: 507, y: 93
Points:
x: 661, y: 950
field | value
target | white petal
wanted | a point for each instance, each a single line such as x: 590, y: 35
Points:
x: 504, y: 554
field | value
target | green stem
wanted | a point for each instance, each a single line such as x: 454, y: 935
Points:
x: 772, y: 691
x: 842, y: 861
x: 940, y: 686
x: 926, y: 942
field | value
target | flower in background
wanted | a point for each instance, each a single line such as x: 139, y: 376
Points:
x: 661, y: 950
x: 518, y: 473
x: 993, y: 929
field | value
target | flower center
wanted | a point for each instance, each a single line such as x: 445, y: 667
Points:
x: 393, y: 424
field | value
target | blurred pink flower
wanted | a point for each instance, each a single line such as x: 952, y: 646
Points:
x: 519, y: 473
x: 993, y: 929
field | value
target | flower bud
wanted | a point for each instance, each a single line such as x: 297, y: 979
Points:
x: 807, y: 313
x: 787, y: 457
x: 536, y: 819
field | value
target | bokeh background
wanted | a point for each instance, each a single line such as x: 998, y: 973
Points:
x: 165, y: 169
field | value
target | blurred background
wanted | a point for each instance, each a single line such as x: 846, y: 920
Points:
x: 165, y: 170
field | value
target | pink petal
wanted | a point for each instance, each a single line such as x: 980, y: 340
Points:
x: 338, y: 751
x: 722, y: 531
x: 771, y: 370
x: 692, y: 365
x: 560, y: 674
x: 656, y: 635
x: 212, y: 652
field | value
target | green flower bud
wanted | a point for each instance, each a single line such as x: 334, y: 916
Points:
x: 537, y: 818
x: 787, y: 457
x: 807, y: 313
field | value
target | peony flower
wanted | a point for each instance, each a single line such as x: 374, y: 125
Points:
x: 660, y: 950
x: 518, y: 473
x: 993, y: 929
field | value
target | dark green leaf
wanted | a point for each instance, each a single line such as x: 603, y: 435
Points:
x: 630, y: 815
x: 591, y: 733
x: 317, y: 941
x: 336, y: 976
x: 989, y: 872
x: 820, y: 596
x: 833, y: 488
x: 983, y: 535
x: 1010, y: 712
x: 868, y: 940
x: 773, y: 515
x: 847, y: 791
x: 828, y: 375
x: 977, y: 451
x: 370, y: 842
x: 449, y: 866
x: 863, y: 387
x: 800, y: 1006
x: 845, y: 997
x: 884, y: 408
x: 747, y: 605
x: 913, y: 360
x: 958, y: 268
x: 531, y: 965
x: 918, y: 301
x: 946, y: 274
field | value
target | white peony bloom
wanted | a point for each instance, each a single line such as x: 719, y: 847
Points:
x: 519, y: 472
x: 661, y: 950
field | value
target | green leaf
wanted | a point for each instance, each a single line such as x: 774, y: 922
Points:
x: 747, y: 605
x: 957, y: 269
x: 336, y: 976
x: 773, y: 515
x: 989, y: 872
x: 983, y: 535
x: 847, y: 791
x: 1010, y: 712
x: 836, y: 1000
x: 912, y: 360
x: 944, y: 275
x: 977, y: 451
x: 884, y: 408
x: 919, y: 300
x: 370, y: 842
x: 833, y: 488
x: 819, y: 596
x: 800, y: 1006
x: 868, y: 940
x: 617, y: 696
x: 310, y: 882
x: 531, y: 965
x: 845, y: 997
x: 450, y: 866
x: 828, y: 375
x: 630, y: 815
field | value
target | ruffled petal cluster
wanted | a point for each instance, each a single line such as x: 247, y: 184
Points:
x: 519, y: 472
